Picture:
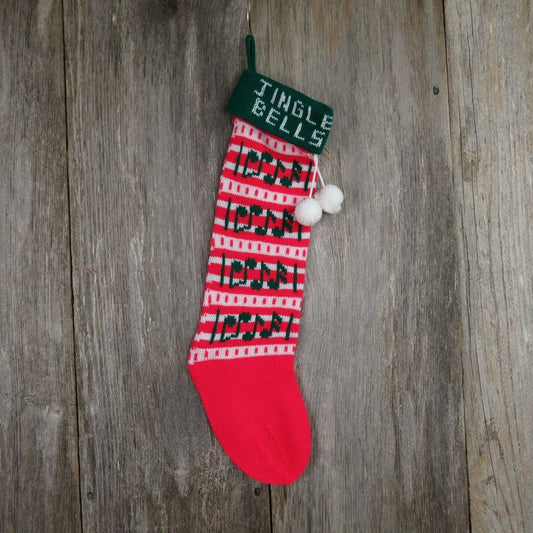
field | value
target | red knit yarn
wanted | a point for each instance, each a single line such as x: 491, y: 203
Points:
x: 242, y: 356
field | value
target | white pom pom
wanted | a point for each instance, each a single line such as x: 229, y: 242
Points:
x: 330, y: 198
x: 308, y: 212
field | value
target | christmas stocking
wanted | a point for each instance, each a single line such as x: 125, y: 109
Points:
x: 242, y: 356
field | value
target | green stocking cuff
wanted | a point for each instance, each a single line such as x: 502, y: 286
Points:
x: 280, y: 110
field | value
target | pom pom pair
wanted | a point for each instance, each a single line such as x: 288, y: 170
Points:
x: 328, y: 199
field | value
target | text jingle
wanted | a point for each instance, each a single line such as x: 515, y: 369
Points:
x: 279, y: 108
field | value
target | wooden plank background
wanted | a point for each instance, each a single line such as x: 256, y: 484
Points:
x: 415, y: 352
x: 490, y: 66
x: 38, y: 435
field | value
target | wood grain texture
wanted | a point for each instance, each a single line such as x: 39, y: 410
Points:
x: 147, y: 83
x: 38, y: 443
x: 379, y: 358
x: 415, y: 347
x: 490, y: 62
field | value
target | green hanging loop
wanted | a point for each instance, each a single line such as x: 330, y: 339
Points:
x: 250, y: 51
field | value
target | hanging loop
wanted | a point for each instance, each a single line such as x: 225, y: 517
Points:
x: 250, y: 43
x: 250, y: 51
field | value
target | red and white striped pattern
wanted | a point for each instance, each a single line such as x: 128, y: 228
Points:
x: 243, y: 315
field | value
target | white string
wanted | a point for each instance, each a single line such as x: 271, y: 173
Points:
x: 316, y: 171
x: 320, y: 176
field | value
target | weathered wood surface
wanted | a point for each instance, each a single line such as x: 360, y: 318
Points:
x: 146, y: 85
x: 379, y: 359
x: 490, y: 62
x: 415, y: 350
x: 38, y: 441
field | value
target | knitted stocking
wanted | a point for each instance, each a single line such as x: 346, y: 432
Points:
x: 242, y: 356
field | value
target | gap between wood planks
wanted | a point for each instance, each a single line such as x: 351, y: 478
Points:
x: 457, y: 245
x: 74, y: 337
